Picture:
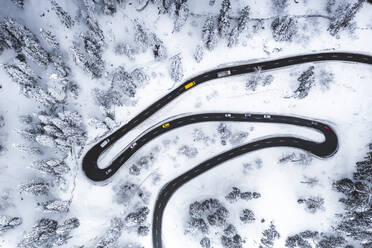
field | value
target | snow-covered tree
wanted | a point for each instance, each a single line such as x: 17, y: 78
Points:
x: 223, y: 21
x: 313, y: 204
x: 199, y: 53
x: 269, y: 236
x: 35, y: 187
x: 62, y: 130
x: 207, y: 212
x: 138, y: 217
x: 243, y: 18
x: 122, y: 83
x: 141, y: 37
x: 205, y: 242
x: 180, y: 13
x: 7, y: 223
x: 23, y: 38
x: 284, y: 28
x: 233, y: 37
x: 139, y: 76
x: 19, y: 3
x: 62, y: 15
x: 55, y: 206
x: 209, y: 33
x: 126, y: 191
x: 124, y: 48
x: 47, y: 233
x: 342, y: 17
x: 280, y: 5
x: 110, y: 237
x: 109, y: 7
x: 188, y: 151
x: 176, y: 68
x: 301, y: 240
x: 231, y: 238
x: 224, y: 132
x: 247, y: 216
x: 158, y: 48
x: 306, y: 80
x: 49, y: 38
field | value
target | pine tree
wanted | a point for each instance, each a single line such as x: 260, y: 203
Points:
x: 243, y: 18
x: 342, y: 17
x: 23, y: 38
x: 209, y: 33
x: 176, y: 68
x: 199, y: 53
x: 7, y: 223
x: 224, y: 19
x: 62, y: 15
x: 284, y: 28
x: 55, y: 206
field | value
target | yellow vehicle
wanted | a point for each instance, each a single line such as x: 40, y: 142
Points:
x: 165, y: 125
x: 189, y: 85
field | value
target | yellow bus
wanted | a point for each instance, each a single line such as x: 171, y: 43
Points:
x: 189, y: 85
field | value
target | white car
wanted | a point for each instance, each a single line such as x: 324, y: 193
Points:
x: 223, y: 73
x: 267, y: 116
x: 227, y: 115
x: 133, y: 145
x: 247, y: 115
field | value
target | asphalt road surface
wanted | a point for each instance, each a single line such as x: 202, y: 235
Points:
x: 323, y: 149
x: 89, y: 163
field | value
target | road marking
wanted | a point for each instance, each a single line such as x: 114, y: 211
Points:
x: 207, y: 164
x: 334, y: 56
x: 205, y: 76
x: 192, y: 119
x: 268, y: 142
x: 281, y: 141
x: 349, y: 56
x: 147, y: 112
x: 197, y: 169
x: 291, y: 60
x: 295, y: 141
x: 319, y: 56
x: 304, y: 58
x: 219, y: 158
x: 135, y: 121
x: 179, y: 122
x: 255, y: 145
x: 365, y: 58
x: 277, y: 63
x: 231, y: 153
x: 205, y: 117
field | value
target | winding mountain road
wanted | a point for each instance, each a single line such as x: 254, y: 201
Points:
x: 324, y: 149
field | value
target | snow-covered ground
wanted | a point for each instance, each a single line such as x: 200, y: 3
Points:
x: 345, y: 105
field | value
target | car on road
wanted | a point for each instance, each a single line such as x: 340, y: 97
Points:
x: 133, y: 145
x: 227, y: 115
x: 247, y: 115
x: 267, y: 116
x: 165, y: 125
x: 104, y: 143
x: 223, y: 73
x: 189, y: 85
